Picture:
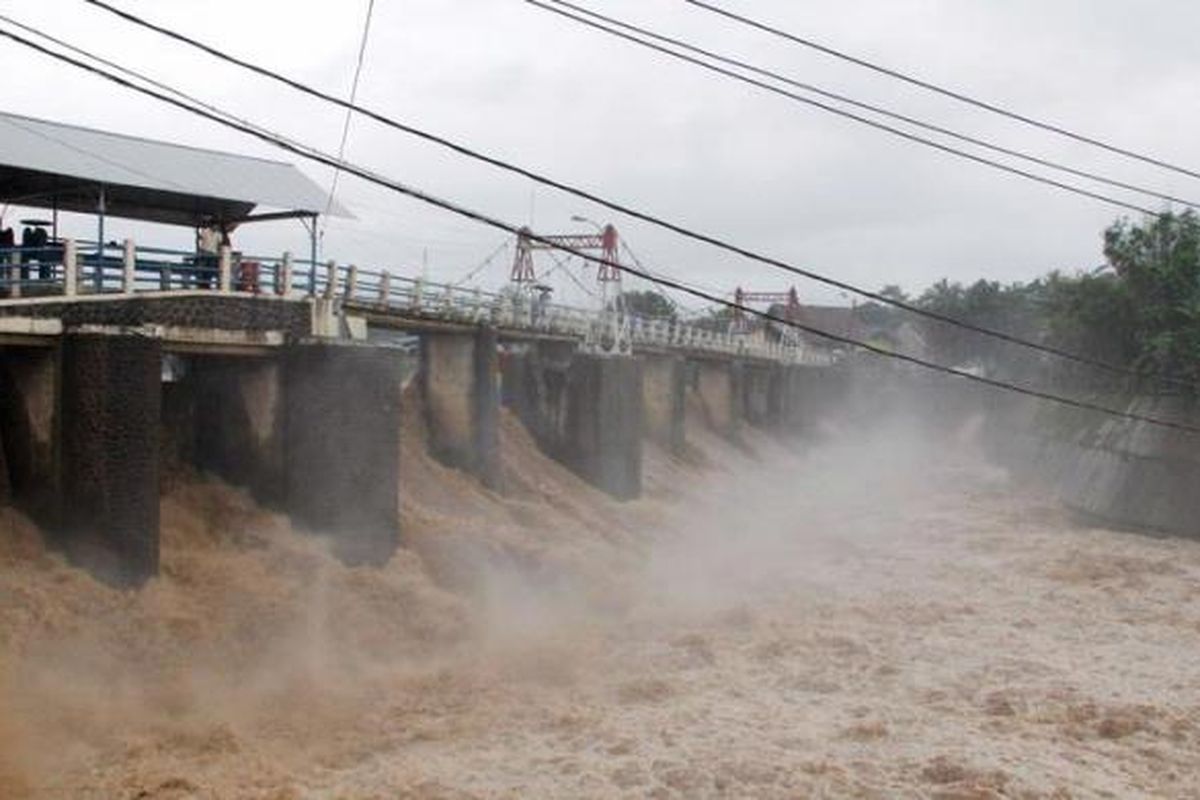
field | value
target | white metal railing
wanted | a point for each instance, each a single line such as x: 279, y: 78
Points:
x: 71, y: 268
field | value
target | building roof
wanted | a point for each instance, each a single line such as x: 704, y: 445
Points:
x: 49, y: 164
x: 838, y: 320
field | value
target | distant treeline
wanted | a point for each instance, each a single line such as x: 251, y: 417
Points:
x: 1141, y: 309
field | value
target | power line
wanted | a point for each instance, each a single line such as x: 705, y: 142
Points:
x: 487, y: 262
x: 912, y: 137
x: 563, y: 265
x: 134, y: 74
x: 494, y: 222
x: 962, y: 137
x: 961, y: 97
x: 629, y: 211
x: 362, y: 52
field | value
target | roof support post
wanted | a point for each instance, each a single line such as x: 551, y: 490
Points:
x: 225, y: 269
x: 129, y: 262
x: 312, y: 242
x: 70, y: 268
x: 102, y: 208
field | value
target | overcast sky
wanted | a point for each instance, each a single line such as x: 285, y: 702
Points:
x: 629, y: 124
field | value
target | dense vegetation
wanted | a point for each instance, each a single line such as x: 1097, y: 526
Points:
x: 1141, y: 309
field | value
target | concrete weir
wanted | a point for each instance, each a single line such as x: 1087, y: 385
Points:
x: 106, y: 400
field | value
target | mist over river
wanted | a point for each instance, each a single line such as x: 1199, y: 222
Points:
x: 877, y: 615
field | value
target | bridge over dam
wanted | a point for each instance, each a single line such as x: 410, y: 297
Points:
x: 289, y: 379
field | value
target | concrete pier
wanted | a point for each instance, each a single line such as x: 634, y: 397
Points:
x: 342, y: 453
x: 460, y: 382
x: 106, y: 398
x: 110, y: 408
x: 603, y: 436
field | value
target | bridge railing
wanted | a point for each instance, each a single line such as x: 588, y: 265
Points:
x: 81, y: 267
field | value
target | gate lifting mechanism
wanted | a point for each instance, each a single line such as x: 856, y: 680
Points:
x: 611, y: 332
x: 738, y: 323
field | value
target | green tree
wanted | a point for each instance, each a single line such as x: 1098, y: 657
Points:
x: 1158, y: 263
x: 649, y: 304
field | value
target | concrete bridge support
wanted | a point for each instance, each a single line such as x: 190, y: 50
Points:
x: 110, y: 403
x: 664, y: 395
x: 460, y: 383
x: 342, y: 453
x: 603, y: 435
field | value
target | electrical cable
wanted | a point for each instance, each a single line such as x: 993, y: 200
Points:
x: 912, y: 137
x: 487, y: 262
x: 564, y: 265
x: 362, y: 52
x: 621, y: 208
x: 959, y: 96
x: 514, y: 230
x: 962, y: 137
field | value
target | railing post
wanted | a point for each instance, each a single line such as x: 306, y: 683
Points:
x: 130, y: 264
x: 351, y: 282
x: 330, y: 279
x: 14, y: 273
x: 418, y: 292
x: 225, y: 270
x: 283, y: 275
x: 70, y: 268
x: 385, y: 288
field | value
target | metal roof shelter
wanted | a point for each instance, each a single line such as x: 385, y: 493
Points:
x: 69, y: 168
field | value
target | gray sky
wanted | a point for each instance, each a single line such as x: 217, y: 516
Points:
x: 794, y: 182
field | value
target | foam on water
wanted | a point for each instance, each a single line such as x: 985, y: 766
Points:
x: 877, y: 618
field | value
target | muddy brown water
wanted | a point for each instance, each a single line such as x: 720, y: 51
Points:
x: 880, y: 619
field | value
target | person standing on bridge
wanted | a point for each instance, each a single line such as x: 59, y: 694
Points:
x: 208, y: 253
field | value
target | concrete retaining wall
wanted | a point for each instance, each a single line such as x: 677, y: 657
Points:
x: 1119, y: 472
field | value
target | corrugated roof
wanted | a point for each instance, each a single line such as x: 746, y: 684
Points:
x: 167, y: 171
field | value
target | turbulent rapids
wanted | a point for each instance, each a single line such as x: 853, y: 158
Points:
x: 870, y: 617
